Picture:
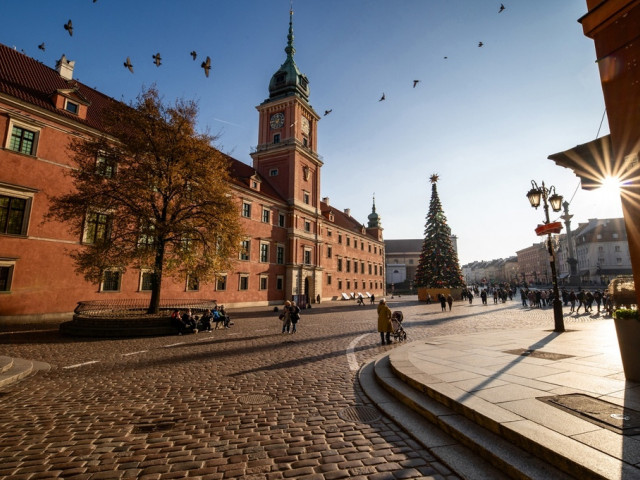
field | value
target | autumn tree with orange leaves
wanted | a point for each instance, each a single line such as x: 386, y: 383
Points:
x: 150, y: 193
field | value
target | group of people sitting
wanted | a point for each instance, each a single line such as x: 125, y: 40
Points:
x: 186, y: 322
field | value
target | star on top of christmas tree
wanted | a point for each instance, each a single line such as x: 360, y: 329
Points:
x: 434, y: 178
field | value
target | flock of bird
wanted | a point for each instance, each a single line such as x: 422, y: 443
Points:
x: 206, y: 64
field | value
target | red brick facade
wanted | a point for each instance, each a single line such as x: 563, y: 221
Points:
x: 297, y: 243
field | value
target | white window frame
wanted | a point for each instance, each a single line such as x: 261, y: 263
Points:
x: 25, y: 194
x: 242, y: 276
x: 224, y: 288
x: 11, y: 264
x: 247, y: 204
x: 119, y: 270
x: 68, y: 102
x: 143, y: 272
x: 266, y: 215
x: 85, y: 229
x: 264, y: 250
x: 280, y: 247
x: 186, y: 284
x: 265, y: 279
x: 32, y: 127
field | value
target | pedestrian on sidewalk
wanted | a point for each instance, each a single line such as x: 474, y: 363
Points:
x: 384, y: 322
x: 295, y: 316
x: 443, y: 302
x: 450, y: 301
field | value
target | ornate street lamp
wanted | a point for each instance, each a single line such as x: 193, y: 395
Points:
x: 549, y: 196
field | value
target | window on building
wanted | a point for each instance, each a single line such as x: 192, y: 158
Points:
x: 339, y: 284
x: 375, y: 249
x: 14, y: 214
x: 614, y: 235
x: 617, y: 248
x: 339, y: 238
x: 329, y: 233
x: 276, y: 138
x: 361, y: 245
x: 601, y: 248
x: 280, y: 254
x: 105, y: 167
x: 6, y: 275
x: 375, y: 269
x: 281, y: 219
x: 307, y: 226
x: 266, y: 215
x: 328, y: 279
x: 273, y: 172
x: 362, y: 267
x: 306, y: 197
x: 355, y: 243
x: 279, y: 282
x: 329, y: 251
x: 601, y: 261
x: 221, y: 283
x: 619, y: 261
x: 370, y: 268
x: 411, y: 261
x: 245, y: 249
x: 307, y: 257
x: 193, y: 284
x: 23, y: 140
x: 246, y: 209
x: 97, y: 228
x: 243, y: 283
x: 339, y: 264
x: 348, y: 285
x: 369, y: 245
x: 71, y: 107
x: 348, y: 241
x: 147, y: 238
x: 111, y: 281
x: 355, y: 266
x: 263, y: 282
x: 146, y: 281
x: 348, y: 265
x: 264, y: 252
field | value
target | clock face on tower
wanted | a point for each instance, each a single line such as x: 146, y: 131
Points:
x: 277, y: 120
x: 305, y: 126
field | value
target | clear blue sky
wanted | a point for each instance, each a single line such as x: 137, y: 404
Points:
x: 485, y: 119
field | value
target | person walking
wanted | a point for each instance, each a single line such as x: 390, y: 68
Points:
x: 295, y: 316
x: 443, y: 302
x: 450, y: 301
x: 384, y: 322
x: 285, y: 316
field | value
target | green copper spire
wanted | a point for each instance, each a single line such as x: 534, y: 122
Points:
x: 288, y: 80
x: 374, y: 218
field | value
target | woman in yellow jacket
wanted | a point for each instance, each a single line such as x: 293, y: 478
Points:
x: 384, y: 321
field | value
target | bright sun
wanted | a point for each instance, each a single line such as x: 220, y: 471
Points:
x: 611, y: 185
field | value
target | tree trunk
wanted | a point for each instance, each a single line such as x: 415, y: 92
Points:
x: 156, y: 280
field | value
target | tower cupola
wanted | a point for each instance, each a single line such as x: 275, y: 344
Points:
x: 288, y: 80
x: 374, y: 218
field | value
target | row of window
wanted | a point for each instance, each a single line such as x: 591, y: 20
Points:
x: 373, y: 268
x: 373, y: 285
x: 112, y: 279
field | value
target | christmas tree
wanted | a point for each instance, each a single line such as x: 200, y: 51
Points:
x: 438, y: 266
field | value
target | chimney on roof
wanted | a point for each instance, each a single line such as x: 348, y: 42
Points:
x: 64, y: 67
x: 347, y: 212
x: 325, y: 200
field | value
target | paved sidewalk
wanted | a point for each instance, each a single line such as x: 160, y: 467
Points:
x: 499, y: 378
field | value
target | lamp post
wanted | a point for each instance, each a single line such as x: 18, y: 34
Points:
x: 549, y: 196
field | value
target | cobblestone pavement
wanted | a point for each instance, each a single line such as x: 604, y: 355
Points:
x: 243, y: 403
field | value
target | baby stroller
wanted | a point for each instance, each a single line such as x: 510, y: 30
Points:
x: 396, y: 325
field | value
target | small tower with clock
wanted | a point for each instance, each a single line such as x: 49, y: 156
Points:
x: 286, y: 156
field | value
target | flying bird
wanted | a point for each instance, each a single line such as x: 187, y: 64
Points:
x: 69, y: 27
x: 157, y: 59
x: 480, y: 44
x: 501, y: 8
x: 193, y: 54
x: 207, y: 66
x: 415, y: 82
x: 42, y: 46
x: 446, y: 58
x: 382, y: 97
x: 327, y: 112
x: 128, y: 64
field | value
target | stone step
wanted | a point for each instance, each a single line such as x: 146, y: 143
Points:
x: 5, y: 363
x: 504, y: 443
x: 477, y: 452
x: 21, y: 368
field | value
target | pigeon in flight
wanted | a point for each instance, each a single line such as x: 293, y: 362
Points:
x: 193, y: 54
x: 157, y: 59
x: 327, y: 112
x: 480, y: 44
x: 501, y: 8
x: 69, y: 27
x: 382, y: 97
x: 207, y: 66
x: 415, y: 82
x: 446, y: 58
x: 42, y: 46
x: 128, y: 64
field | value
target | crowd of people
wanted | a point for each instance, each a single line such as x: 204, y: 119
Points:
x: 184, y: 321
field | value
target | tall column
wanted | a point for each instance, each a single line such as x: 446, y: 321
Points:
x: 573, y: 263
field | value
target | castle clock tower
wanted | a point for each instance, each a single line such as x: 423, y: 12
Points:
x: 287, y: 157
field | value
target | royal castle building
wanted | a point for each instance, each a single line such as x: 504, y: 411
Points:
x: 295, y: 242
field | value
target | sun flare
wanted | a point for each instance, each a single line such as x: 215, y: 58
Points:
x: 611, y: 185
